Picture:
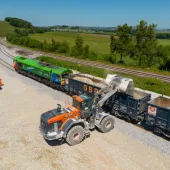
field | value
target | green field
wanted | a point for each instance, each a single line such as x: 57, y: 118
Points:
x: 164, y: 42
x: 97, y: 43
x: 5, y: 28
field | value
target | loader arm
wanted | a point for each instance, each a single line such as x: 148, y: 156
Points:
x: 102, y: 95
x: 105, y: 97
x: 117, y: 83
x: 98, y: 101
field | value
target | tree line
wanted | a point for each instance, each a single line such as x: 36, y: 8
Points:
x: 33, y: 30
x: 20, y: 23
x: 54, y: 46
x: 24, y: 27
x: 79, y: 50
x: 163, y: 35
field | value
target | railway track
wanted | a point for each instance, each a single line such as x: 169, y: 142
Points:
x: 3, y: 62
x: 7, y: 65
x: 2, y: 49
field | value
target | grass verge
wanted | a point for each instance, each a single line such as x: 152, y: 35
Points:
x: 5, y: 28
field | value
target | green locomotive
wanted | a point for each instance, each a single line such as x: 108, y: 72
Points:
x: 48, y: 74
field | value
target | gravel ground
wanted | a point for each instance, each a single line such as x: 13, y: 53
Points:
x: 147, y: 137
x: 22, y: 101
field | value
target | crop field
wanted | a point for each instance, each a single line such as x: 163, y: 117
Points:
x: 97, y: 43
x: 5, y: 28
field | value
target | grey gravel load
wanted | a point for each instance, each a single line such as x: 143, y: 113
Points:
x: 89, y: 80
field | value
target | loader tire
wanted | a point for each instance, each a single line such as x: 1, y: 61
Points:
x: 107, y: 124
x: 75, y: 135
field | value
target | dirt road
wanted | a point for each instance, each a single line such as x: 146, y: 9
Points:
x: 22, y: 146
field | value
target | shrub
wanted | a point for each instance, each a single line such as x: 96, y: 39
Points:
x: 165, y: 66
x: 93, y: 56
x: 64, y: 48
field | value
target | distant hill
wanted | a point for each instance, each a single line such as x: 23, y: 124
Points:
x: 67, y: 27
x: 5, y: 28
x: 83, y: 27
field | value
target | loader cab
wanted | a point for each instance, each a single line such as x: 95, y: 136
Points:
x: 82, y: 103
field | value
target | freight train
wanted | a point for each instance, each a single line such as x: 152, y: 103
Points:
x: 135, y: 108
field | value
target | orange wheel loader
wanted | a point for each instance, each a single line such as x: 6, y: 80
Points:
x: 74, y: 123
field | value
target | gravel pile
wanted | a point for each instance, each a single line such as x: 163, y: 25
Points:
x: 89, y: 81
x: 84, y: 79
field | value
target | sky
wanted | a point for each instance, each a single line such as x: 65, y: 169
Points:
x: 105, y: 13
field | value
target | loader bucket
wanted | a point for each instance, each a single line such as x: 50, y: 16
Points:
x: 124, y: 85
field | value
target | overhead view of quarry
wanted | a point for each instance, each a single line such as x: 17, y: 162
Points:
x: 78, y: 97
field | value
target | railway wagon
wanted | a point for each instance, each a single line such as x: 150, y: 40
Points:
x: 133, y: 108
x: 46, y: 73
x: 79, y: 84
x: 158, y: 115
